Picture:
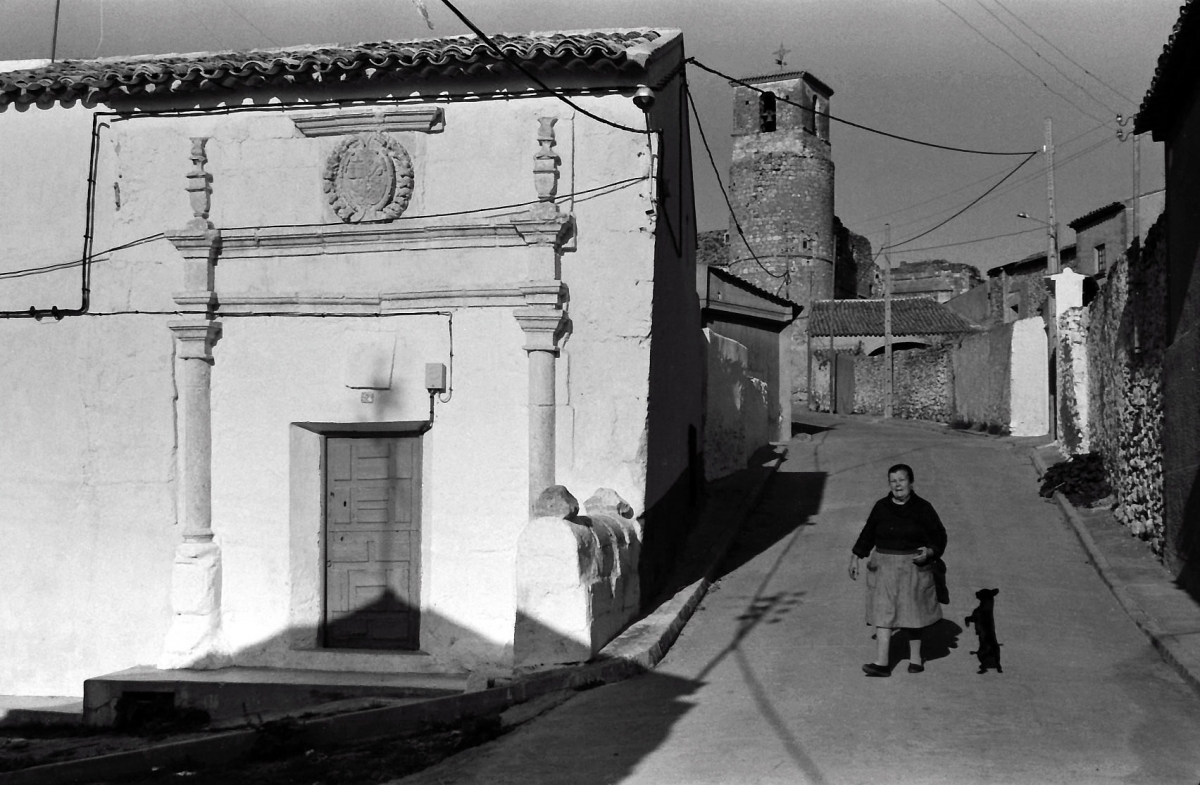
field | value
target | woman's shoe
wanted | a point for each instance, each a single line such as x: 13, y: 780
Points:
x: 871, y: 669
x: 914, y: 668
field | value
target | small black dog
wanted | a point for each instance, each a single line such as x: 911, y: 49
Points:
x: 985, y: 628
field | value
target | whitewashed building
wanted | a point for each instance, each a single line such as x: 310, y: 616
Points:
x: 291, y: 338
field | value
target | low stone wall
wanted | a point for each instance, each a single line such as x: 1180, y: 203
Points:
x: 923, y: 384
x: 577, y: 577
x: 1123, y: 332
x: 737, y: 416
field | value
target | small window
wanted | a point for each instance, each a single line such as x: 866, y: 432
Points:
x: 766, y: 113
x: 1098, y: 256
x: 810, y: 114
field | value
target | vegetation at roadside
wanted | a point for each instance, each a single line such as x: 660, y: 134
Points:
x: 1082, y: 479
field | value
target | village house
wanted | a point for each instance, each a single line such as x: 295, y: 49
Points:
x: 1170, y: 112
x: 340, y: 316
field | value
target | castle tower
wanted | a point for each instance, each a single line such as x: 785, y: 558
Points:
x: 782, y: 186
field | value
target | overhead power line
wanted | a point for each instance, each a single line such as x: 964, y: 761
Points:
x: 974, y: 240
x: 852, y: 124
x: 1027, y: 69
x: 964, y: 209
x: 517, y: 64
x: 1064, y: 54
x: 1050, y: 63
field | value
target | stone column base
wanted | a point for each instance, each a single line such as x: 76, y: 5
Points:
x: 195, y: 640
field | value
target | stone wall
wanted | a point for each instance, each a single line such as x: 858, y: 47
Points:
x: 1124, y: 337
x: 923, y: 386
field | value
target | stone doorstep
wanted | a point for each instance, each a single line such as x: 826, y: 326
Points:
x: 232, y: 693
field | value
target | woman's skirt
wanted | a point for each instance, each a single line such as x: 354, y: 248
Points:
x: 899, y: 593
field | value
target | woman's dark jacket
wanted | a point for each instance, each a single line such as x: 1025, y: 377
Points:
x: 902, y: 527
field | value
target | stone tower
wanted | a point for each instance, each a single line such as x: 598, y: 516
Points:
x: 782, y: 186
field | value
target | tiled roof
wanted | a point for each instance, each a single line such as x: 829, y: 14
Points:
x: 1096, y: 215
x: 1173, y: 71
x: 94, y: 81
x: 745, y: 285
x: 910, y: 316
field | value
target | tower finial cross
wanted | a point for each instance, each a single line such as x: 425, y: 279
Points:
x: 779, y: 55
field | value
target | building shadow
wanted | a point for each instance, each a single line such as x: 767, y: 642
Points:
x: 794, y: 499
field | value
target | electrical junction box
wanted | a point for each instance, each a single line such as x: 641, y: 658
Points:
x: 435, y: 377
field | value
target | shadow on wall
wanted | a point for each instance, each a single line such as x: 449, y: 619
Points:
x: 1186, y: 547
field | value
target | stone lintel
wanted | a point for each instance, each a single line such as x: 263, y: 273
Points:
x: 196, y: 338
x: 400, y: 235
x: 542, y: 325
x: 202, y: 300
x: 423, y: 119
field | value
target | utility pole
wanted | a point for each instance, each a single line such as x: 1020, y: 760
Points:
x: 887, y: 320
x: 1052, y: 242
x: 1052, y: 262
x: 54, y: 35
x: 1135, y: 235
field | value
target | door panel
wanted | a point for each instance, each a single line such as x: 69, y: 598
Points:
x: 372, y: 542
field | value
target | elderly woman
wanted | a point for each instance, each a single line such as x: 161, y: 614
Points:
x: 903, y: 537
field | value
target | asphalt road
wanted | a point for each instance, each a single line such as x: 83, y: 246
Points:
x: 765, y: 683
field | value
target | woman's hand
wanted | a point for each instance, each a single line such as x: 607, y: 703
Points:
x: 853, y: 567
x: 923, y: 555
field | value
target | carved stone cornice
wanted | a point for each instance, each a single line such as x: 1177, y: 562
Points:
x: 543, y: 327
x: 552, y: 294
x: 199, y: 248
x: 404, y: 234
x: 196, y: 338
x: 424, y: 119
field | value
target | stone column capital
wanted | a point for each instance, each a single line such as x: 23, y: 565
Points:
x: 196, y: 339
x: 543, y: 326
x: 543, y: 227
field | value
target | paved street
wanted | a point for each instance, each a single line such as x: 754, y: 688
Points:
x: 765, y: 686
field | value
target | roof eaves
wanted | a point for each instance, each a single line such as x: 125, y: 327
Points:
x: 1171, y: 73
x: 1097, y: 215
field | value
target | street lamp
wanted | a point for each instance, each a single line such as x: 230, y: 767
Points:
x: 1052, y: 253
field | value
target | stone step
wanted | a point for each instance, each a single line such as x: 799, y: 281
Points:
x: 147, y: 694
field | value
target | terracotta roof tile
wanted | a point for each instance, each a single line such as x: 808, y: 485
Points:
x: 910, y: 316
x: 93, y: 81
x: 1096, y: 215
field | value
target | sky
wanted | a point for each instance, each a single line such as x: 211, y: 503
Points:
x: 977, y: 74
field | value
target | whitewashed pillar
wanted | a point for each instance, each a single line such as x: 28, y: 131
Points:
x: 194, y: 639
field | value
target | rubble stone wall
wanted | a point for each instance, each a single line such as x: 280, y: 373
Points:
x: 1125, y: 337
x: 923, y: 384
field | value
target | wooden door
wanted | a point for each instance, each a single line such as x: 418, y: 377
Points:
x: 844, y: 383
x: 372, y: 542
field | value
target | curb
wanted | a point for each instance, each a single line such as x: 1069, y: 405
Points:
x: 635, y: 651
x: 1164, y: 644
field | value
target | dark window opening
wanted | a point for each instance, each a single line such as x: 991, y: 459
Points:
x: 810, y: 112
x: 766, y: 113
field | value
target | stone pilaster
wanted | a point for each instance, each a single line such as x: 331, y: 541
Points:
x: 194, y: 639
x: 543, y: 326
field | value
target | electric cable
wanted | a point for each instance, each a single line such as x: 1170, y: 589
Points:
x: 515, y: 63
x: 971, y: 184
x: 852, y: 124
x: 1064, y: 54
x: 1050, y: 63
x: 590, y: 192
x: 963, y: 210
x: 1010, y: 56
x: 728, y: 203
x: 975, y: 240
